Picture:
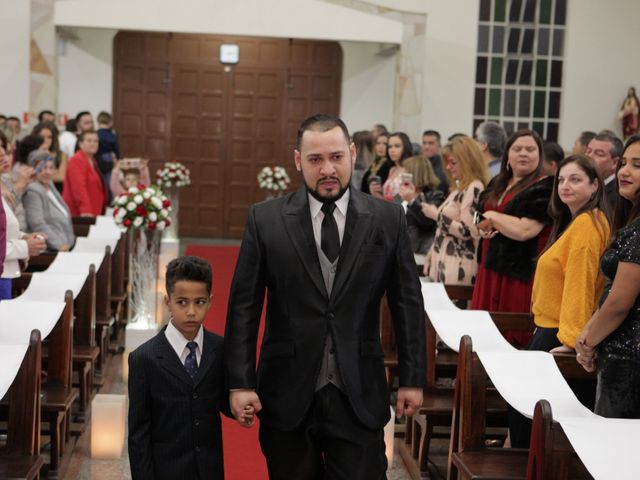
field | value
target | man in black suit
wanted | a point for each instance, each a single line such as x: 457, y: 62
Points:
x: 176, y: 386
x: 325, y: 255
x: 606, y: 149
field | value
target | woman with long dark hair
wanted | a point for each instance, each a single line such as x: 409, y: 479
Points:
x: 514, y: 230
x: 610, y: 340
x: 399, y: 148
x: 379, y: 168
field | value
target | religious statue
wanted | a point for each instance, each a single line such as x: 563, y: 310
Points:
x: 630, y: 114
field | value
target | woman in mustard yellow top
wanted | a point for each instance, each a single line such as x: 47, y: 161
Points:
x: 567, y: 283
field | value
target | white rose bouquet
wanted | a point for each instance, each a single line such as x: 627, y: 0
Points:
x: 173, y: 174
x: 273, y: 179
x: 142, y: 207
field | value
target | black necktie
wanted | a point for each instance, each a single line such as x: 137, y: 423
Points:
x: 329, y: 236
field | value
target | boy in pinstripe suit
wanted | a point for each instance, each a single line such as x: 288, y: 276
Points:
x: 177, y: 388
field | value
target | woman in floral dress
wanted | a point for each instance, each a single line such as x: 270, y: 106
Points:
x: 452, y: 257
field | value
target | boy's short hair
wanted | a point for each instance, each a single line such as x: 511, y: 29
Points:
x: 104, y: 117
x: 190, y: 269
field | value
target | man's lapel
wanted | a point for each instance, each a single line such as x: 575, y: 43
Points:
x: 168, y: 359
x: 355, y: 230
x: 297, y: 220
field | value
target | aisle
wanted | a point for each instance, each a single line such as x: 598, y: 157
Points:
x: 242, y: 457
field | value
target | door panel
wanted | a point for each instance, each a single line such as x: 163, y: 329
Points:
x: 173, y: 100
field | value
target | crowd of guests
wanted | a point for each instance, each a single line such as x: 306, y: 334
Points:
x: 533, y: 230
x: 47, y: 177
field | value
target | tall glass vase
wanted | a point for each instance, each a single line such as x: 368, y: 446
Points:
x: 144, y: 252
x: 173, y: 194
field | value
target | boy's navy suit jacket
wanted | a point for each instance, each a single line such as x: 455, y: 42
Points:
x: 174, y: 421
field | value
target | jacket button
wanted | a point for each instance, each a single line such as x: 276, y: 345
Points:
x: 330, y: 376
x: 195, y: 396
x: 332, y: 351
x: 196, y: 422
x: 331, y: 316
x: 197, y: 449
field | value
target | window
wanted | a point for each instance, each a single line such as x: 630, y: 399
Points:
x: 519, y: 64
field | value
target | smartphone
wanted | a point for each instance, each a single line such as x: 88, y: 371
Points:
x: 478, y: 217
x: 406, y: 178
x: 375, y: 179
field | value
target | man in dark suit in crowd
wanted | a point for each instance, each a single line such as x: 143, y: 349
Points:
x: 325, y: 255
x: 431, y: 152
x: 176, y: 386
x: 606, y: 149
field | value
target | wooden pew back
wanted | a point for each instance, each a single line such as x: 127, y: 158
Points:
x: 24, y: 402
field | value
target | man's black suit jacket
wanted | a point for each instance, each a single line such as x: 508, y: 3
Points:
x: 279, y: 254
x: 174, y: 421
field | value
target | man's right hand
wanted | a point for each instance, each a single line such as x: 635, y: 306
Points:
x: 239, y: 400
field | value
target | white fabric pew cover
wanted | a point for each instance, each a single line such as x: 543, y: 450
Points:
x: 11, y: 357
x: 18, y: 318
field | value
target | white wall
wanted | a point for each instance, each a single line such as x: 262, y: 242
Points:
x: 600, y: 65
x: 14, y: 71
x: 367, y: 86
x: 85, y: 72
x: 450, y: 63
x: 86, y: 79
x: 273, y: 18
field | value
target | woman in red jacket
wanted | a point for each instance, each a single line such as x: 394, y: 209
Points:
x: 84, y: 190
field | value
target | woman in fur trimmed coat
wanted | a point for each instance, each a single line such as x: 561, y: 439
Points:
x: 515, y: 229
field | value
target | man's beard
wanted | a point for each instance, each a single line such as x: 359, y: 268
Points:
x: 315, y: 194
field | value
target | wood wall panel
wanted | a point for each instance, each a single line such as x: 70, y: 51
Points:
x: 173, y: 100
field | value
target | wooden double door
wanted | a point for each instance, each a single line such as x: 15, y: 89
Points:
x: 174, y: 101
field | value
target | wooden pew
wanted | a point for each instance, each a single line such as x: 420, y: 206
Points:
x: 81, y: 225
x: 85, y: 350
x: 104, y: 319
x: 438, y: 404
x: 468, y: 455
x: 58, y: 394
x: 550, y: 454
x: 21, y: 457
x: 119, y: 288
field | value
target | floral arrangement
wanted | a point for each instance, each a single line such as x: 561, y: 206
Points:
x: 142, y: 207
x: 173, y: 174
x: 273, y: 179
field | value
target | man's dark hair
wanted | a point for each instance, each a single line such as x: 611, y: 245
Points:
x: 381, y: 127
x: 432, y: 133
x: 16, y: 119
x: 616, y: 144
x: 553, y: 152
x: 82, y: 114
x: 190, y: 269
x: 494, y: 136
x: 585, y: 137
x: 3, y: 117
x: 27, y: 145
x: 43, y: 113
x: 321, y: 122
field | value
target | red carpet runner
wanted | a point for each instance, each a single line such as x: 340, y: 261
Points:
x: 243, y: 459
